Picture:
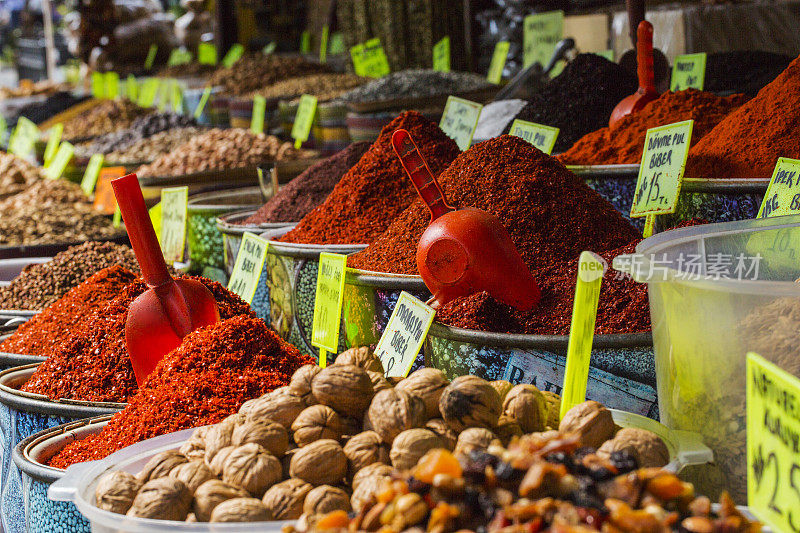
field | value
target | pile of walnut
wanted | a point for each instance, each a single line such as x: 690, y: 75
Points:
x: 328, y: 440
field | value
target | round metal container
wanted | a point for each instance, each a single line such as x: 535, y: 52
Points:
x: 22, y: 414
x: 622, y: 373
x: 291, y: 274
x: 232, y: 232
x: 43, y: 515
x: 11, y: 360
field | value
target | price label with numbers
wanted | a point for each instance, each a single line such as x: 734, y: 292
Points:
x: 304, y: 119
x: 689, y: 71
x: 201, y: 105
x: 174, y: 201
x: 661, y: 170
x: 404, y: 334
x: 369, y: 59
x: 60, y: 161
x: 207, y: 54
x: 773, y: 449
x: 148, y: 92
x: 111, y: 83
x: 541, y: 33
x: 151, y: 57
x: 783, y: 194
x: 24, y: 137
x: 92, y: 173
x: 328, y: 303
x: 259, y: 111
x: 591, y: 268
x: 104, y: 199
x: 498, y: 62
x: 52, y: 143
x: 441, y: 55
x: 541, y: 136
x: 248, y: 266
x: 234, y: 54
x: 98, y: 85
x: 459, y: 120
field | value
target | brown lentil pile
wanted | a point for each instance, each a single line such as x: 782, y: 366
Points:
x: 153, y: 147
x: 253, y: 72
x: 105, y: 117
x: 219, y: 149
x: 40, y: 285
x: 16, y: 174
x: 324, y: 86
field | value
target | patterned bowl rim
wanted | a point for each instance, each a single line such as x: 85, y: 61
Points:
x: 305, y: 251
x: 227, y: 224
x: 383, y: 280
x: 209, y: 201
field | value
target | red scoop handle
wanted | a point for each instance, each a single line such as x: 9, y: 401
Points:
x: 644, y: 56
x: 140, y: 230
x: 421, y: 176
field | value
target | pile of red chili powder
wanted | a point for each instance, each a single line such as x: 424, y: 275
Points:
x: 371, y: 194
x: 748, y: 143
x: 551, y: 215
x: 623, y: 143
x: 92, y: 363
x: 207, y: 378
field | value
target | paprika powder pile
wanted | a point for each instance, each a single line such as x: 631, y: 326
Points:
x: 208, y: 377
x: 92, y: 363
x: 623, y: 143
x: 748, y: 143
x: 551, y: 215
x: 371, y: 194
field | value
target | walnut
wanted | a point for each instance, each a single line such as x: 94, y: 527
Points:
x: 315, y: 423
x: 647, y: 447
x: 553, y: 401
x: 526, y: 404
x: 474, y: 439
x: 591, y: 421
x: 160, y: 465
x: 212, y: 493
x: 345, y: 388
x: 218, y: 436
x: 502, y: 387
x: 324, y: 499
x: 219, y: 459
x: 164, y: 498
x: 247, y: 406
x: 280, y: 408
x: 363, y: 450
x: 379, y: 382
x: 300, y: 385
x: 378, y: 470
x: 241, y: 510
x: 470, y: 401
x: 393, y: 411
x: 410, y: 445
x: 115, y: 491
x: 320, y: 463
x: 194, y: 448
x: 235, y: 420
x: 350, y: 426
x: 440, y: 427
x: 428, y: 385
x: 253, y: 468
x: 271, y: 435
x: 362, y: 357
x: 508, y: 428
x: 285, y: 500
x: 364, y: 494
x: 193, y: 474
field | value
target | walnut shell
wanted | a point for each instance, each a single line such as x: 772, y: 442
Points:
x: 470, y: 401
x: 440, y: 427
x: 527, y: 405
x: 553, y: 401
x: 379, y: 382
x: 300, y: 385
x: 320, y: 463
x: 428, y: 385
x: 235, y: 420
x: 647, y: 447
x: 246, y: 406
x: 502, y: 387
x: 507, y: 428
x: 161, y: 464
x: 194, y: 448
x: 364, y: 493
x: 345, y: 388
x: 410, y: 445
x: 474, y: 439
x: 362, y: 357
x: 324, y: 499
x: 163, y: 498
x: 212, y: 493
x: 115, y: 491
x: 193, y: 474
x: 218, y: 436
x: 219, y: 459
x: 271, y: 435
x: 393, y: 411
x: 281, y: 408
x: 285, y: 500
x: 374, y: 470
x: 315, y: 423
x: 364, y: 449
x: 241, y: 510
x: 591, y: 421
x: 253, y: 468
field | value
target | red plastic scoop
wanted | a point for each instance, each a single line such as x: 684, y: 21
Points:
x: 170, y: 309
x: 647, y: 89
x: 467, y: 250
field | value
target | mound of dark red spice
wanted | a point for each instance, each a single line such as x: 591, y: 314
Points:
x: 207, y: 378
x: 376, y: 190
x: 92, y: 363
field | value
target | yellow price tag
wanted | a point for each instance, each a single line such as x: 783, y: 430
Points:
x: 132, y: 87
x: 328, y: 304
x: 151, y: 56
x: 174, y: 201
x: 689, y: 71
x: 52, y: 143
x: 303, y: 119
x: 111, y: 83
x: 98, y: 85
x: 369, y: 59
x: 60, y: 161
x: 176, y: 96
x: 234, y: 54
x: 207, y: 54
x: 323, y: 44
x: 198, y: 111
x: 541, y: 33
x: 147, y: 94
x: 259, y: 111
x: 404, y: 334
x: 459, y: 120
x: 441, y: 55
x: 248, y: 267
x: 495, y: 74
x: 541, y: 136
x: 23, y: 138
x: 92, y: 172
x: 783, y: 194
x: 305, y: 42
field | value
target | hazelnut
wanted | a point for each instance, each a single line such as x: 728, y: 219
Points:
x: 271, y: 435
x: 324, y: 499
x: 253, y: 468
x: 285, y: 500
x: 160, y: 465
x: 475, y: 439
x: 428, y: 385
x: 315, y: 423
x: 115, y: 491
x: 527, y: 405
x: 363, y: 450
x: 241, y: 510
x: 320, y: 463
x: 362, y: 357
x: 193, y: 474
x: 212, y: 493
x: 440, y: 427
x: 470, y: 401
x: 591, y: 421
x: 345, y: 388
x: 393, y: 411
x: 410, y: 445
x: 647, y: 447
x: 164, y: 498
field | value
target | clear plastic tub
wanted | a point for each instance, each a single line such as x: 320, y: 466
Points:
x: 716, y: 292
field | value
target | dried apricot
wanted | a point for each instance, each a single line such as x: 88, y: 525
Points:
x: 334, y: 520
x: 437, y: 462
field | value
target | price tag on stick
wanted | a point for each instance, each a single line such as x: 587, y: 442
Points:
x: 541, y: 136
x: 783, y: 194
x: 151, y: 57
x: 23, y: 138
x: 259, y: 111
x: 591, y: 268
x: 689, y: 71
x: 459, y: 120
x: 323, y: 44
x: 248, y: 266
x: 305, y: 42
x: 234, y: 54
x: 52, y: 143
x: 92, y: 173
x: 198, y: 111
x: 369, y: 59
x: 773, y: 457
x: 104, y: 199
x: 132, y: 88
x: 173, y: 222
x: 541, y: 33
x: 60, y: 161
x: 404, y: 335
x: 498, y: 62
x: 441, y: 55
x: 147, y: 94
x: 98, y: 85
x: 207, y: 54
x: 304, y: 119
x: 111, y: 83
x: 328, y: 304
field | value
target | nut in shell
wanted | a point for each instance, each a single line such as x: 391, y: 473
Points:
x: 527, y: 405
x: 379, y: 382
x: 161, y: 464
x: 212, y: 493
x: 115, y: 491
x: 164, y: 498
x: 300, y: 385
x: 440, y: 427
x: 410, y: 445
x: 362, y: 357
x: 315, y: 423
x: 508, y: 428
x: 307, y: 463
x: 647, y: 447
x: 591, y: 422
x: 375, y: 470
x: 475, y: 439
x: 325, y: 499
x: 241, y: 510
x: 217, y: 437
x: 364, y: 449
x: 393, y: 411
x: 271, y: 435
x: 281, y: 408
x: 347, y: 389
x: 285, y: 500
x: 502, y: 387
x: 194, y: 448
x: 470, y: 401
x: 553, y: 401
x: 364, y: 494
x: 427, y: 384
x: 193, y: 474
x: 253, y: 468
x: 219, y: 459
